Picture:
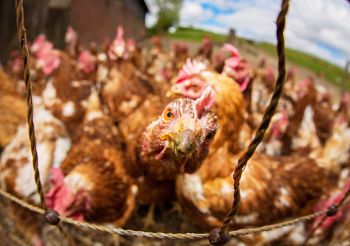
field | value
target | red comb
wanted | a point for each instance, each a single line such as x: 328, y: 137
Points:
x: 205, y: 101
x: 120, y: 32
x: 38, y: 43
x: 117, y: 47
x: 190, y: 69
x: 233, y: 50
x: 56, y: 180
x: 87, y: 61
x: 71, y: 35
x: 346, y: 97
x: 130, y: 43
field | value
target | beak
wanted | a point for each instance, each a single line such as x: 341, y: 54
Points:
x: 182, y: 139
x: 184, y: 143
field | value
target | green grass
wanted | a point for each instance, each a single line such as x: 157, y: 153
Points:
x: 322, y: 68
x: 196, y: 35
x: 329, y: 71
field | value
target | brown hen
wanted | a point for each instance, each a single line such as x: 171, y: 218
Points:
x: 91, y: 183
x: 12, y: 107
x: 228, y: 104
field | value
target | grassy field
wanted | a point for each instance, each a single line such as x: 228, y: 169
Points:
x: 322, y: 68
x: 329, y: 71
x: 196, y: 35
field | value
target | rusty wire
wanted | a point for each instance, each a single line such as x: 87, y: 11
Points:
x: 269, y: 112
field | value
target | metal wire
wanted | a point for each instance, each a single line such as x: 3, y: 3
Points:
x: 269, y: 112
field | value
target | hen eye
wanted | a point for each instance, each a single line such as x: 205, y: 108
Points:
x: 168, y: 114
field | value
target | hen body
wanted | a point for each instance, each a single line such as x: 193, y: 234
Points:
x: 16, y: 165
x: 271, y: 189
x: 12, y: 108
x: 94, y: 173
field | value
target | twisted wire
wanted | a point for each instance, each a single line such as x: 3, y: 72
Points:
x: 161, y: 235
x: 325, y: 216
x: 22, y: 36
x: 237, y: 173
x: 269, y: 112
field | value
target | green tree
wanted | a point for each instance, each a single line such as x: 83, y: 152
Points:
x: 168, y: 14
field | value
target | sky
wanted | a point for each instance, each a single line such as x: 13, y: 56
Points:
x: 319, y: 27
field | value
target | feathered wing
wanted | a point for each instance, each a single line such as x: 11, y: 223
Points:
x: 16, y: 169
x: 97, y: 160
x: 271, y: 189
x: 229, y: 107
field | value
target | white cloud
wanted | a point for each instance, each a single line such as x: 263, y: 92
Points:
x: 311, y: 25
x: 259, y: 24
x: 151, y: 17
x: 191, y: 11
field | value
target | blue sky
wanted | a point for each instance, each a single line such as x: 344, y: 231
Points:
x: 319, y: 27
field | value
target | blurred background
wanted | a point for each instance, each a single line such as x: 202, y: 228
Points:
x: 317, y: 32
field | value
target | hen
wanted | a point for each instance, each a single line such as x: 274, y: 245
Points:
x: 323, y: 114
x: 267, y: 193
x: 228, y: 105
x: 176, y: 141
x: 123, y: 89
x: 205, y: 50
x: 16, y: 163
x: 91, y: 183
x: 272, y: 188
x: 12, y: 107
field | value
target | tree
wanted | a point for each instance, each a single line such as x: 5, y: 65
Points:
x: 168, y: 14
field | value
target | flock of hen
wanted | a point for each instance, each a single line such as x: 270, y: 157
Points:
x: 119, y: 126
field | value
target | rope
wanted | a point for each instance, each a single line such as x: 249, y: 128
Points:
x: 22, y: 37
x: 325, y: 216
x: 242, y: 162
x: 269, y: 112
x: 161, y: 235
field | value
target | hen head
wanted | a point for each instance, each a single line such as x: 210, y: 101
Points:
x: 47, y: 59
x: 237, y: 67
x: 71, y: 37
x: 304, y: 87
x: 191, y: 81
x: 280, y: 124
x: 181, y: 136
x: 67, y: 195
x: 118, y: 46
x: 206, y: 47
x: 345, y: 98
x: 87, y: 62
